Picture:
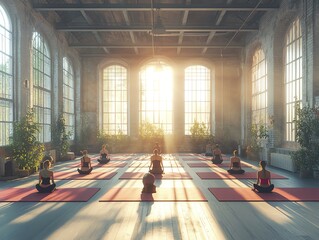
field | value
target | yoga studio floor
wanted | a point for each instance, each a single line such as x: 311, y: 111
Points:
x: 195, y: 200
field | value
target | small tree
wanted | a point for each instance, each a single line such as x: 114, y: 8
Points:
x: 200, y: 136
x: 60, y: 137
x: 115, y: 142
x: 307, y: 135
x: 258, y: 133
x: 25, y: 148
x: 149, y: 134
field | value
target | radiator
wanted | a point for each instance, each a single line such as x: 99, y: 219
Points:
x: 283, y: 161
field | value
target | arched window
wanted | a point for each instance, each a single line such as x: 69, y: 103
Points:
x: 259, y: 88
x: 41, y: 79
x: 197, y: 96
x: 68, y: 96
x: 6, y: 78
x: 156, y: 85
x: 293, y: 75
x: 114, y: 97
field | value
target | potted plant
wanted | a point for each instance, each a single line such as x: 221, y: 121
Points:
x: 25, y: 150
x: 307, y: 135
x: 258, y: 134
x: 200, y: 136
x: 60, y: 138
x: 149, y: 134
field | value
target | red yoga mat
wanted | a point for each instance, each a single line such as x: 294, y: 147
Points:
x: 59, y: 195
x: 222, y: 165
x: 226, y: 175
x: 76, y: 176
x: 203, y: 159
x: 97, y: 164
x: 166, y: 164
x: 277, y: 195
x: 169, y: 175
x: 161, y: 195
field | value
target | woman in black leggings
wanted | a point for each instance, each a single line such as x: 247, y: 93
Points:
x: 45, y: 177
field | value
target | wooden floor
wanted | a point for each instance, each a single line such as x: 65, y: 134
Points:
x: 160, y: 220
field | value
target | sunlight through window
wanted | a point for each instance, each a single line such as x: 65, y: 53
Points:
x: 197, y: 96
x: 156, y: 86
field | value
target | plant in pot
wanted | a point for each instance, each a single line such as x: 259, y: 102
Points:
x: 307, y: 135
x: 258, y: 134
x: 149, y: 134
x: 24, y: 147
x: 60, y: 138
x: 200, y: 136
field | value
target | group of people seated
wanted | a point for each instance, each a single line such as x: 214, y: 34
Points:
x: 47, y: 185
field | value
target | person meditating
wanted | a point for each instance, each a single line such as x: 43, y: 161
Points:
x: 156, y: 166
x: 148, y: 182
x: 45, y: 176
x: 158, y: 147
x: 86, y: 167
x: 217, y: 158
x: 263, y: 184
x: 104, y: 158
x: 235, y: 165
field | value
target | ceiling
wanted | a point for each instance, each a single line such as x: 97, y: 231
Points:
x: 130, y: 28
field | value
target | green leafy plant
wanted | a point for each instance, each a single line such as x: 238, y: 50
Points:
x: 24, y: 147
x: 60, y: 137
x: 200, y: 136
x: 307, y: 135
x: 115, y: 142
x: 258, y: 133
x: 150, y: 132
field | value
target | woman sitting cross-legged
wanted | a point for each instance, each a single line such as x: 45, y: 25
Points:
x: 235, y: 165
x: 263, y: 179
x: 45, y: 176
x: 156, y: 166
x: 217, y: 158
x: 148, y: 182
x: 86, y: 167
x: 104, y: 158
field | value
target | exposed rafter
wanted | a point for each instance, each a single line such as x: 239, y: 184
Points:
x: 147, y: 7
x: 149, y: 28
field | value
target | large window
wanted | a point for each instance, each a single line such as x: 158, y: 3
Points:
x: 197, y: 96
x: 114, y: 95
x: 293, y: 75
x: 41, y: 78
x: 156, y: 86
x: 259, y: 88
x: 6, y: 79
x: 68, y: 96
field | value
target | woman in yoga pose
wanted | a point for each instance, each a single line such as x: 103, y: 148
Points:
x: 235, y: 165
x: 263, y: 179
x: 217, y: 158
x: 104, y: 155
x: 45, y: 177
x: 156, y: 166
x: 158, y: 147
x: 86, y: 167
